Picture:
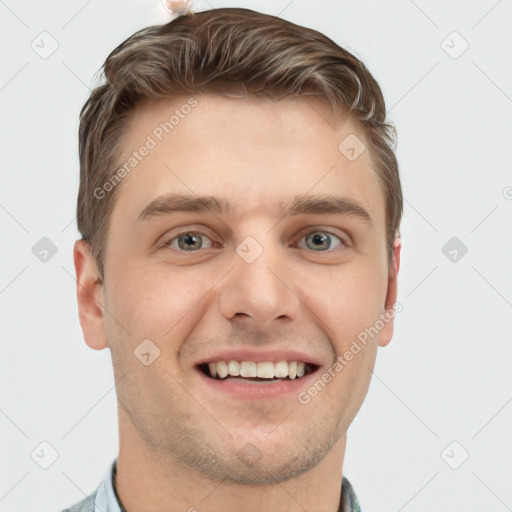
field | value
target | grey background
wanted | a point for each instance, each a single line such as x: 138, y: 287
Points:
x: 444, y: 378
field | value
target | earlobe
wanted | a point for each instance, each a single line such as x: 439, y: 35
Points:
x: 392, y: 292
x: 89, y: 293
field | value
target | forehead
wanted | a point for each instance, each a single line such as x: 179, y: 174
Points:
x: 254, y: 152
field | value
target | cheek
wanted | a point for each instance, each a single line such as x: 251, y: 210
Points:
x: 346, y: 302
x: 154, y: 304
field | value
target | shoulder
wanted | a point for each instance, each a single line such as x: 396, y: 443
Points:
x: 85, y: 505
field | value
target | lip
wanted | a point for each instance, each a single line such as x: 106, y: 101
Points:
x: 272, y: 356
x: 254, y: 390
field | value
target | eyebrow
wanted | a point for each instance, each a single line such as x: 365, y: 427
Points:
x: 299, y: 205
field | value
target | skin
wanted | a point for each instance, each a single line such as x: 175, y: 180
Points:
x: 178, y: 438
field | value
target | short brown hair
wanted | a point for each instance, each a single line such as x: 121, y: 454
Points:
x: 194, y: 53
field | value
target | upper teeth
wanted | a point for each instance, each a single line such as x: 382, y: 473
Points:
x: 264, y: 370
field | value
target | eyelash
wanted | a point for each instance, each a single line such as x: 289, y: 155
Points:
x: 167, y: 243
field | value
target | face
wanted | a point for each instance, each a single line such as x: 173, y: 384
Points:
x: 272, y: 274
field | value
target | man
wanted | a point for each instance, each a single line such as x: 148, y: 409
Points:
x: 239, y: 204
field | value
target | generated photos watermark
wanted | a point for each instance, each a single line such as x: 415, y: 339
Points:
x: 152, y: 141
x: 304, y: 397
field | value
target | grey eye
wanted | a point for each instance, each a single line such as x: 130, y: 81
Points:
x: 321, y: 241
x: 188, y: 241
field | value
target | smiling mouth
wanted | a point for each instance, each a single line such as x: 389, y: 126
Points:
x: 257, y: 372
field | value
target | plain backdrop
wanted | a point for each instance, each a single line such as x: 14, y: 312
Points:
x: 434, y: 432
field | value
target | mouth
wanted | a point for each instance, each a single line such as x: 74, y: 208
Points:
x: 246, y: 375
x: 261, y: 372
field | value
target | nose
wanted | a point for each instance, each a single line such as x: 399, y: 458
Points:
x: 260, y: 287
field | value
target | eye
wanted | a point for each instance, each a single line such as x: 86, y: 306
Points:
x: 188, y: 241
x: 192, y: 241
x: 321, y: 240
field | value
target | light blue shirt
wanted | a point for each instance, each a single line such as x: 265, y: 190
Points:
x: 105, y: 499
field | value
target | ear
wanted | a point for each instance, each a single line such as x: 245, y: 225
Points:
x: 389, y: 313
x: 89, y: 293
